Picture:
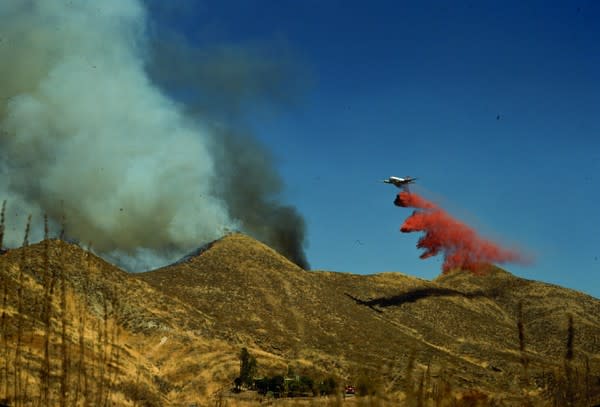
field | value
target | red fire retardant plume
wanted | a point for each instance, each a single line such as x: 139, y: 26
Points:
x: 461, y: 246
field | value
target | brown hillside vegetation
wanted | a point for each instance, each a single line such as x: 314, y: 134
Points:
x: 171, y: 336
x: 119, y: 333
x: 461, y: 328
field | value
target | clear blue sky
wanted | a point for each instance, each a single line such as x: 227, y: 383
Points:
x: 415, y: 88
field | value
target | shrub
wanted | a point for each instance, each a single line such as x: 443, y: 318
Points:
x: 277, y: 385
x: 366, y: 386
x: 328, y: 386
x: 302, y: 387
x: 141, y: 394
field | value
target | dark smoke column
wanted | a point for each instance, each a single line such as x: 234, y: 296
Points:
x: 250, y: 186
x: 462, y: 247
x: 223, y: 83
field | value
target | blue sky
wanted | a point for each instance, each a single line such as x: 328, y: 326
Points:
x: 415, y: 88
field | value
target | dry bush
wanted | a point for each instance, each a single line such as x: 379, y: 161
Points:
x: 140, y: 393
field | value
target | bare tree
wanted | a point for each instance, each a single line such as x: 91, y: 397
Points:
x: 18, y: 374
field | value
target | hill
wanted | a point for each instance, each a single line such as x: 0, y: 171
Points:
x: 460, y: 326
x: 171, y: 336
x: 119, y: 334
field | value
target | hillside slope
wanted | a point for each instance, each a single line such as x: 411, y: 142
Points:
x: 119, y: 334
x: 171, y: 336
x: 460, y: 326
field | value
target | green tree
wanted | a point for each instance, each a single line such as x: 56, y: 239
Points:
x: 302, y: 386
x: 277, y: 385
x: 247, y: 367
x: 262, y: 385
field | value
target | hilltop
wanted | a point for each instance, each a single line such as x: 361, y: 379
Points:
x: 178, y: 329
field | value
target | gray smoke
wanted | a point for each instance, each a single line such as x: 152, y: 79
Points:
x: 89, y: 130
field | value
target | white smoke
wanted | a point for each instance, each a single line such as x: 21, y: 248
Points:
x: 87, y: 134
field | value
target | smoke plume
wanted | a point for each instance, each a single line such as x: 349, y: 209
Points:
x: 461, y: 246
x: 89, y: 131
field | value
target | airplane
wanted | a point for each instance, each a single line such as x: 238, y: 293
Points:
x: 400, y: 182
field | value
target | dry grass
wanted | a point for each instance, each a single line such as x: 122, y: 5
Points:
x: 108, y: 338
x: 38, y: 338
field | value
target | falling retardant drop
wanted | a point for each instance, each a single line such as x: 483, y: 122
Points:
x: 461, y: 246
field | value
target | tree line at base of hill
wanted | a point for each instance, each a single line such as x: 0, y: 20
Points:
x: 290, y: 385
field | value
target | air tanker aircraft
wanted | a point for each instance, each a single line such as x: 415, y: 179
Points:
x: 400, y: 182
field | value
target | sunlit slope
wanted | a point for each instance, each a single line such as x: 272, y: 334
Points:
x: 130, y: 333
x: 352, y: 324
x: 545, y: 311
x: 176, y: 331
